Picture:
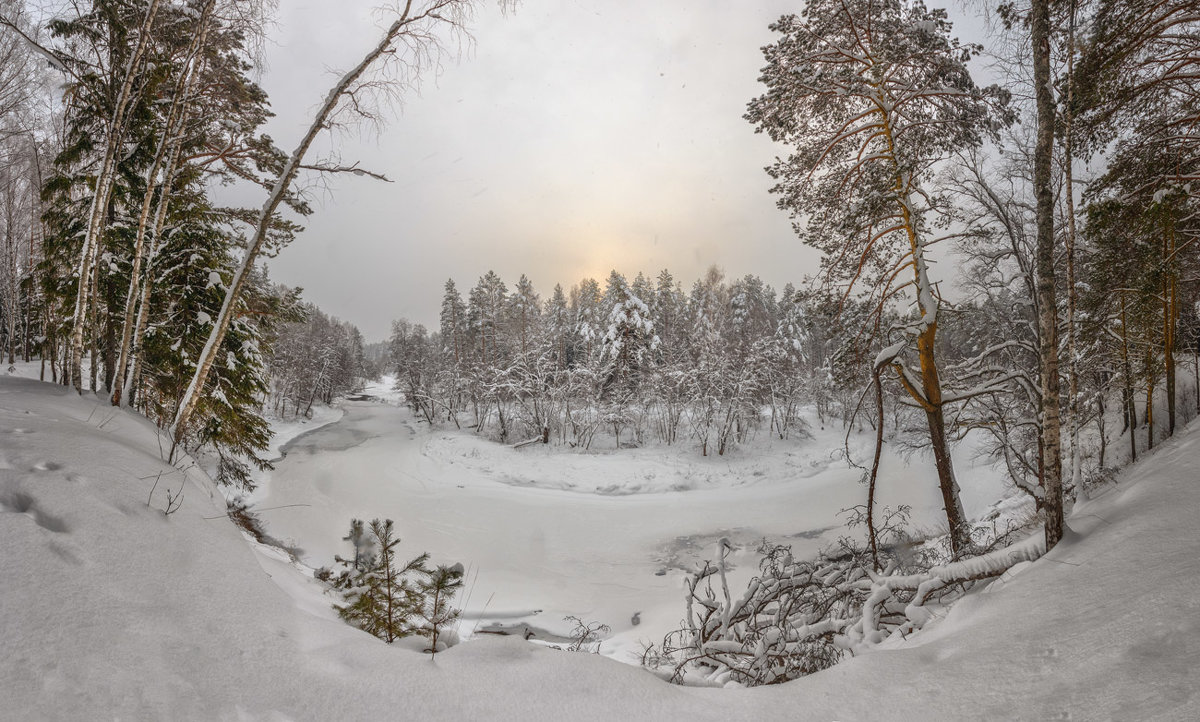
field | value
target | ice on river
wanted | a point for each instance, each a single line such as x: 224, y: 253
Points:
x: 547, y: 532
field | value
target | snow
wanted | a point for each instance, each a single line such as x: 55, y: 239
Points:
x: 886, y: 355
x: 547, y: 532
x: 109, y: 609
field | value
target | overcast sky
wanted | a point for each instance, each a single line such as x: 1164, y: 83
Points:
x: 575, y: 137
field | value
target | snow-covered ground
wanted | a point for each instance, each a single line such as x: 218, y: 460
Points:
x: 109, y: 609
x: 604, y: 536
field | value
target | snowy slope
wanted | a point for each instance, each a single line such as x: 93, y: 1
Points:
x: 109, y: 609
x: 1107, y: 626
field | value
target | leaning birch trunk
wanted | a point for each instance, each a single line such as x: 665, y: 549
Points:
x: 100, y: 199
x: 208, y: 355
x: 1047, y: 308
x: 175, y: 119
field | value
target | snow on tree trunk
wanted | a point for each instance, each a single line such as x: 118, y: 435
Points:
x: 1052, y: 503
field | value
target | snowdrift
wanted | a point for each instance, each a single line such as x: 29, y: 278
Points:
x: 111, y: 609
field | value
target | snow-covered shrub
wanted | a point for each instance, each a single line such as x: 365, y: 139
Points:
x: 585, y: 635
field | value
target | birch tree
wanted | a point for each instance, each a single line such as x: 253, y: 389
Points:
x: 408, y: 44
x: 105, y: 177
x: 1043, y: 157
x: 871, y: 95
x: 166, y: 158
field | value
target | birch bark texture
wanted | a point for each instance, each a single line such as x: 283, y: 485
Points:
x: 871, y: 95
x: 165, y: 158
x: 1052, y: 503
x: 102, y: 192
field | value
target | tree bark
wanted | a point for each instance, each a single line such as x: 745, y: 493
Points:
x: 175, y: 118
x: 1196, y: 353
x: 1076, y: 463
x: 101, y: 196
x: 1150, y: 379
x: 1170, y: 295
x: 930, y: 395
x: 1052, y: 503
x: 871, y: 536
x: 1127, y: 390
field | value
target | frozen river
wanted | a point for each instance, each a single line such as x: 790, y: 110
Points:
x: 547, y: 532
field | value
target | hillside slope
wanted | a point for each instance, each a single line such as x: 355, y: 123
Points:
x: 110, y: 609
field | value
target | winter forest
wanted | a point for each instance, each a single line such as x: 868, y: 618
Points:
x: 920, y: 441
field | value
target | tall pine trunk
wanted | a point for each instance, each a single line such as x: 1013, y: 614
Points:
x: 1127, y: 386
x: 930, y: 394
x: 1151, y: 377
x: 1169, y: 301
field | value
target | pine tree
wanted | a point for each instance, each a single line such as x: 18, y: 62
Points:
x: 438, y: 589
x: 485, y: 315
x: 872, y: 95
x: 558, y: 327
x: 382, y: 600
x: 453, y: 319
x: 524, y: 312
x: 587, y: 307
x: 360, y: 541
x: 669, y: 305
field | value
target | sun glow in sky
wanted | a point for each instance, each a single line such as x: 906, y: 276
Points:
x: 572, y: 138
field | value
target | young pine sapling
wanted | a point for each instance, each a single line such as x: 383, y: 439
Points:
x: 438, y: 589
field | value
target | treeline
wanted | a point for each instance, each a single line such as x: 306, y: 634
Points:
x: 1074, y: 303
x: 634, y: 361
x: 316, y: 359
x: 117, y: 264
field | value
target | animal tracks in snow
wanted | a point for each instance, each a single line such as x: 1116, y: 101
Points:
x: 23, y: 503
